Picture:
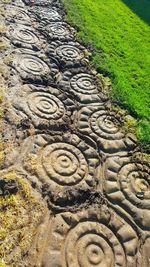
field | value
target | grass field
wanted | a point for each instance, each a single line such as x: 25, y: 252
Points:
x: 118, y: 32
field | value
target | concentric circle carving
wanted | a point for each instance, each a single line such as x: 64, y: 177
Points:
x: 109, y: 222
x: 128, y: 186
x: 45, y: 15
x: 63, y: 161
x: 69, y: 54
x: 85, y: 87
x: 103, y: 125
x: 45, y: 107
x: 24, y: 36
x: 18, y: 14
x: 59, y: 30
x: 84, y: 83
x: 90, y: 239
x: 88, y: 245
x: 135, y: 183
x: 34, y: 65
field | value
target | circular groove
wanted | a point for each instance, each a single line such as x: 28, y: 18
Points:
x: 92, y: 237
x: 84, y: 84
x: 64, y: 163
x: 92, y: 244
x: 129, y: 184
x: 104, y: 124
x: 19, y: 14
x: 32, y: 65
x: 45, y: 105
x: 58, y: 29
x: 25, y: 35
x: 135, y: 184
x: 68, y: 52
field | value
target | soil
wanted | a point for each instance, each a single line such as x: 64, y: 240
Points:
x: 67, y: 140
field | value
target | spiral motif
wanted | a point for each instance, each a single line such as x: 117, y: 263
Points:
x: 68, y: 52
x: 104, y: 125
x: 129, y: 184
x: 135, y: 184
x: 47, y: 14
x: 18, y: 14
x: 25, y: 35
x: 53, y: 15
x: 92, y: 244
x: 50, y: 14
x: 33, y: 65
x: 22, y: 15
x: 84, y: 83
x: 45, y: 105
x: 57, y: 29
x: 92, y: 237
x: 64, y: 163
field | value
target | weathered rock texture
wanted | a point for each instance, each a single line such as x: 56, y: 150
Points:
x: 69, y: 143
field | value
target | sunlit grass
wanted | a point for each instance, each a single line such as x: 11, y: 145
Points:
x: 119, y: 39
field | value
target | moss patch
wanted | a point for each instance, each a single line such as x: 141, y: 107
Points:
x: 2, y: 263
x: 20, y: 215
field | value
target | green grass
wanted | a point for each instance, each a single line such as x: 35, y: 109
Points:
x: 119, y: 39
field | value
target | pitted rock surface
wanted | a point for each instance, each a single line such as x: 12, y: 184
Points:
x: 67, y: 138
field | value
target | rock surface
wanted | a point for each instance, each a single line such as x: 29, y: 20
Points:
x: 68, y: 141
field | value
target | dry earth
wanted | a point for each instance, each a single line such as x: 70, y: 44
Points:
x: 63, y: 136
